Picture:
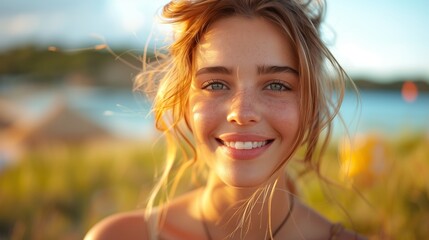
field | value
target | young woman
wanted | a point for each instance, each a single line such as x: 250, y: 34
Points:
x: 245, y: 86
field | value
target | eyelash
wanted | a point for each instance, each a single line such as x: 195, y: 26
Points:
x: 212, y: 82
x: 283, y: 86
x: 206, y: 85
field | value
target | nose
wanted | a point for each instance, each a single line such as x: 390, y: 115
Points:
x: 243, y: 109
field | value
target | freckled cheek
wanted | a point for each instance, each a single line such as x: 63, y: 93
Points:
x: 283, y: 116
x: 205, y: 117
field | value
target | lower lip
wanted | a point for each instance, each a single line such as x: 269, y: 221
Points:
x: 244, y: 154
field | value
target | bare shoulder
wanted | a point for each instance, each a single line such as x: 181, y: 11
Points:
x: 313, y: 225
x: 129, y: 225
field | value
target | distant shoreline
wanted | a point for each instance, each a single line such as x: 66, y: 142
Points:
x: 394, y: 85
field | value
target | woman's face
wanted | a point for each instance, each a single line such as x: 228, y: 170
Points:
x: 244, y: 99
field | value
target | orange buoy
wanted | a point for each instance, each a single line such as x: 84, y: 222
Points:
x: 409, y: 91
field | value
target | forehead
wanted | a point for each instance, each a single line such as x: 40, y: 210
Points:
x: 237, y: 41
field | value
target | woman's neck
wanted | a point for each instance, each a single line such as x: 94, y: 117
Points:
x: 227, y: 207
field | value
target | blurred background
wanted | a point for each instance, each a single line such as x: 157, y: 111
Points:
x: 77, y: 144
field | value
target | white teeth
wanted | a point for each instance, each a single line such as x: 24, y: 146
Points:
x: 245, y: 145
x: 240, y: 145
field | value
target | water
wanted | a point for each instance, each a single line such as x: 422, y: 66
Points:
x: 120, y: 112
x: 386, y: 112
x: 126, y: 114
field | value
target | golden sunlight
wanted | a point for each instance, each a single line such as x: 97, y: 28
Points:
x: 363, y: 159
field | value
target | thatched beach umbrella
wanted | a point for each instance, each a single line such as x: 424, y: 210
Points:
x: 63, y: 124
x: 9, y: 114
x: 11, y: 134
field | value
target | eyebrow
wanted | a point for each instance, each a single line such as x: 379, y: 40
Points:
x: 261, y: 70
x: 216, y: 69
x: 276, y: 69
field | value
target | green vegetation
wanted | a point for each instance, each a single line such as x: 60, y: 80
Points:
x: 42, y: 66
x: 59, y: 192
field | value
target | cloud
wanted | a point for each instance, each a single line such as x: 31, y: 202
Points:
x: 19, y: 25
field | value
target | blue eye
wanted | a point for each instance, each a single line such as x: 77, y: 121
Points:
x: 214, y: 85
x: 277, y: 86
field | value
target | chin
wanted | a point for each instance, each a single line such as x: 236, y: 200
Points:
x: 243, y: 179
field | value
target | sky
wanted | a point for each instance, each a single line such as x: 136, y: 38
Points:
x: 377, y: 38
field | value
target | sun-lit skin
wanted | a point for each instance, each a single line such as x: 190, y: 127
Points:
x: 245, y: 89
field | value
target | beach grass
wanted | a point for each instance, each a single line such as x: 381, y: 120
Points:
x: 60, y: 191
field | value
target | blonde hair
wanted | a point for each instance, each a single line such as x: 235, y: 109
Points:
x: 321, y: 77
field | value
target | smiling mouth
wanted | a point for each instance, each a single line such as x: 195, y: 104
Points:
x: 244, y: 145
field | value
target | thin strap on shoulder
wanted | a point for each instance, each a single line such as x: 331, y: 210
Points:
x: 335, y: 230
x: 153, y: 223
